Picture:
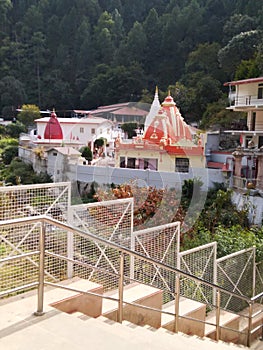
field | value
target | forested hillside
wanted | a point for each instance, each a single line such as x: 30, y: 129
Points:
x: 85, y: 53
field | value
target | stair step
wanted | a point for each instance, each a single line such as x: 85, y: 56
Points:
x: 139, y: 294
x: 189, y: 308
x: 58, y: 330
x: 256, y: 321
x: 70, y: 302
x: 227, y: 319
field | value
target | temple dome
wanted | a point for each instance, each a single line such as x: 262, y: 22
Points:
x: 168, y: 124
x: 53, y: 130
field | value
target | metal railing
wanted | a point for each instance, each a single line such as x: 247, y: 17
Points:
x: 245, y: 100
x: 121, y: 274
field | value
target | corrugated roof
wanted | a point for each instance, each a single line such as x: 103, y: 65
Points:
x: 130, y: 111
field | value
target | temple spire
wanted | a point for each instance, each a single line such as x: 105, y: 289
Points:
x: 155, y: 106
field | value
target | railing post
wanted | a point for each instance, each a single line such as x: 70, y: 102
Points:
x: 70, y: 244
x: 218, y: 303
x: 40, y: 294
x: 121, y: 282
x: 70, y: 236
x: 132, y: 242
x: 254, y: 272
x: 249, y: 328
x: 177, y: 299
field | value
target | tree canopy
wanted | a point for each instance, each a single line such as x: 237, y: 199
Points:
x: 82, y: 54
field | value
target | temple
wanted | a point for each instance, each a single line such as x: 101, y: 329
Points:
x: 168, y: 143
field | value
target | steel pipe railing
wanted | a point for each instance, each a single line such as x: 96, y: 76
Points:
x: 44, y: 220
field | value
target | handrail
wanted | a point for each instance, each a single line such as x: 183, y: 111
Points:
x: 44, y: 219
x: 67, y: 227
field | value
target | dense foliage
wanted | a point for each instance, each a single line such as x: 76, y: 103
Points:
x: 219, y: 220
x: 85, y: 53
x: 13, y: 171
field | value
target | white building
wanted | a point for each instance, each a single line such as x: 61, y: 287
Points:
x: 74, y: 132
x: 61, y: 162
x: 64, y: 137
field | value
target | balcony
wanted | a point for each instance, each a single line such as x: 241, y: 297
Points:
x: 245, y: 101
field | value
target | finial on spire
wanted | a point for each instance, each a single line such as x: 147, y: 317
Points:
x: 156, y: 89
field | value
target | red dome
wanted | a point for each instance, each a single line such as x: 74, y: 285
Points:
x: 53, y: 129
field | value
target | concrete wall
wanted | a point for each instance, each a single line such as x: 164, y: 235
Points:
x: 28, y: 156
x: 108, y: 175
x: 254, y: 204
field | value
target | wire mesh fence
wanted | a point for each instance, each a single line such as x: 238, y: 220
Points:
x: 162, y: 244
x: 199, y: 262
x: 236, y: 273
x: 79, y: 252
x: 15, y: 269
x: 259, y: 280
x: 31, y: 200
x: 100, y: 262
x: 111, y: 220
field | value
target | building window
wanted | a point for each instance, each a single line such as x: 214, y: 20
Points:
x: 131, y: 163
x: 253, y: 121
x: 93, y: 131
x: 81, y: 130
x: 260, y: 91
x: 182, y: 165
x: 122, y: 162
x: 55, y: 154
x: 151, y: 163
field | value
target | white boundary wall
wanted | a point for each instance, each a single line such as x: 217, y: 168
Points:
x: 108, y: 175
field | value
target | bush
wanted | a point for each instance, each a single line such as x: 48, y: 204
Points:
x: 8, y: 141
x: 9, y: 153
x: 15, y: 129
x: 19, y: 172
x: 86, y: 153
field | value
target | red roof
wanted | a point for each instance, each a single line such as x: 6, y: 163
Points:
x: 215, y: 165
x: 245, y: 81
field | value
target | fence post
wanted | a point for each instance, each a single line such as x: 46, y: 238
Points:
x: 218, y: 303
x: 254, y: 272
x: 177, y: 299
x: 215, y: 273
x: 121, y: 282
x: 70, y: 244
x: 70, y: 237
x: 40, y: 294
x: 249, y: 328
x: 132, y: 241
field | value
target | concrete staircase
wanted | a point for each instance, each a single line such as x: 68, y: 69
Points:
x: 193, y: 319
x: 187, y: 308
x: 76, y: 321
